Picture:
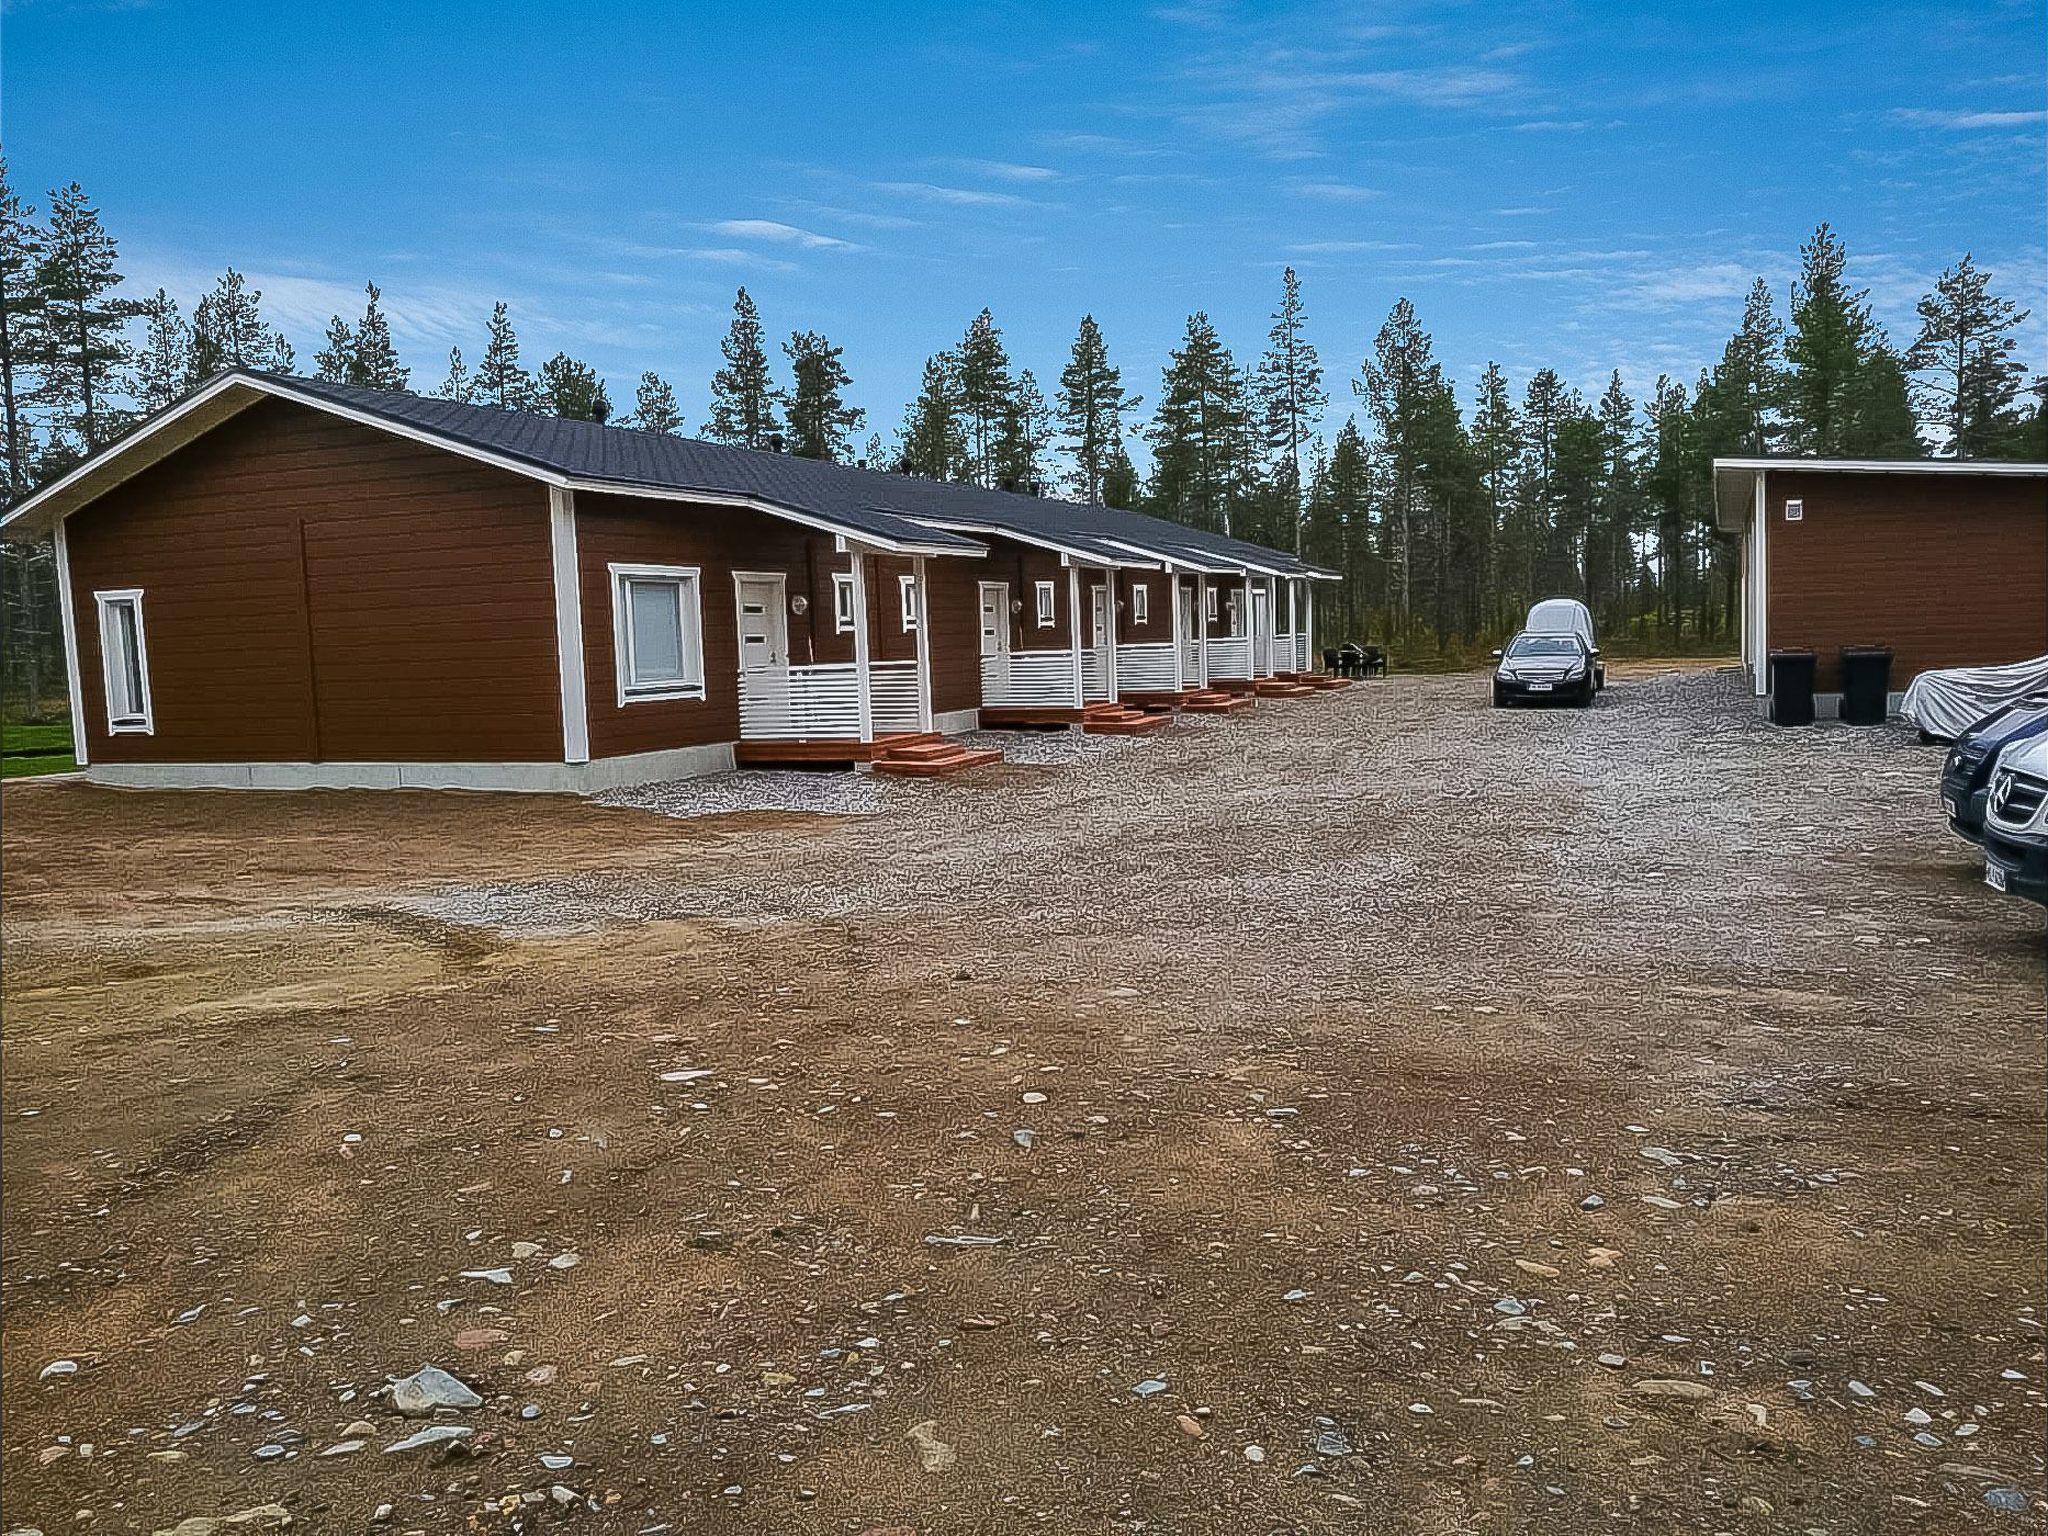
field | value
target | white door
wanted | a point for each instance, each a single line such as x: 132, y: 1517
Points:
x: 764, y: 624
x: 1262, y: 630
x: 995, y: 619
x: 1099, y: 605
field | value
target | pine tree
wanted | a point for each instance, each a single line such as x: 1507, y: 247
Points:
x: 1749, y: 383
x: 376, y: 364
x: 1497, y: 457
x: 1198, y: 432
x: 228, y: 331
x: 931, y: 441
x: 1290, y: 394
x: 1398, y: 383
x: 500, y: 381
x: 654, y: 405
x: 1092, y: 405
x: 572, y: 390
x: 336, y: 362
x: 1120, y: 486
x: 1339, y: 532
x: 1606, y: 558
x: 1969, y: 377
x: 460, y: 385
x: 1026, y: 439
x: 821, y: 423
x: 21, y: 257
x: 982, y: 372
x: 163, y: 365
x: 1879, y: 420
x: 1841, y: 394
x: 81, y: 336
x: 873, y: 452
x: 743, y: 392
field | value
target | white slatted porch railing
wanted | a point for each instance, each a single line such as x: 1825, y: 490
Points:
x: 1191, y: 664
x: 893, y: 697
x: 1028, y: 680
x: 1145, y: 668
x: 1095, y: 673
x: 1230, y: 656
x: 814, y: 703
x: 1303, y: 662
x: 1283, y: 652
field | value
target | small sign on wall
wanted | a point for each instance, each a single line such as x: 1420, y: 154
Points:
x: 1795, y: 510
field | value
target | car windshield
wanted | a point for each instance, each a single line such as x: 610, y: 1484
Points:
x: 1544, y: 645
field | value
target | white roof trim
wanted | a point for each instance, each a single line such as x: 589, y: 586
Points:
x: 1890, y: 466
x: 105, y: 470
x: 1037, y: 541
x: 1735, y: 479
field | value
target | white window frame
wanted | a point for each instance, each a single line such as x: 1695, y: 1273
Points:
x: 1046, y: 596
x: 691, y: 608
x: 1213, y: 605
x: 1141, y: 603
x: 143, y: 724
x: 906, y: 601
x: 842, y: 602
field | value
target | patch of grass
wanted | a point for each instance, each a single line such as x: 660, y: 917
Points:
x: 28, y: 750
x: 15, y: 737
x: 40, y: 763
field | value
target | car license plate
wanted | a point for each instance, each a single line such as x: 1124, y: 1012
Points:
x: 1539, y: 687
x: 1994, y: 876
x: 1949, y: 806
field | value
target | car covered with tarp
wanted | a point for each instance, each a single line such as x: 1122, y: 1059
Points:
x: 1947, y: 702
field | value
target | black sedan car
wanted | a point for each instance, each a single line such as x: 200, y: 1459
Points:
x: 1966, y: 774
x: 1544, y: 669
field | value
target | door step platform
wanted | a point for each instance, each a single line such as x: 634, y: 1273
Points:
x: 1210, y: 702
x: 928, y: 759
x: 1279, y: 688
x: 1122, y: 720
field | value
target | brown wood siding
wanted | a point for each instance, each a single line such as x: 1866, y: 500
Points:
x: 720, y: 541
x: 319, y: 591
x: 1158, y: 624
x: 1223, y: 587
x: 1946, y: 570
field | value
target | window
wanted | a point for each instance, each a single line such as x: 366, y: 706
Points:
x: 124, y: 662
x: 1048, y: 604
x: 657, y: 628
x: 1214, y: 597
x: 842, y: 603
x: 906, y: 591
x: 1795, y: 510
x: 1141, y: 603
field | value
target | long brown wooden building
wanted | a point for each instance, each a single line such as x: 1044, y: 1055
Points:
x: 281, y: 582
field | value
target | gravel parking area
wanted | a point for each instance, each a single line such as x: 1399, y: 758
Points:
x: 1373, y: 1113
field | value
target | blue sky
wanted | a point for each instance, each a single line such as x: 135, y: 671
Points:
x: 1581, y: 186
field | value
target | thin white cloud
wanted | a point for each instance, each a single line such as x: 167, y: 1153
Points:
x: 1344, y: 247
x: 1004, y: 170
x: 1336, y: 191
x: 962, y: 197
x: 779, y: 233
x: 1969, y: 120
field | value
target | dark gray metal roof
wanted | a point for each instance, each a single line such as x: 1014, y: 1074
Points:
x: 857, y: 499
x: 901, y: 512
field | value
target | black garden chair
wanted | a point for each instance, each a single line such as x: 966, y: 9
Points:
x: 1372, y: 659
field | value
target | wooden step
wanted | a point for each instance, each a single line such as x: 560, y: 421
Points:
x: 1129, y: 722
x: 920, y: 751
x: 1277, y: 688
x: 1215, y: 703
x: 954, y: 760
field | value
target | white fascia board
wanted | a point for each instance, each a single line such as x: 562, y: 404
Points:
x: 1067, y: 552
x: 1890, y: 466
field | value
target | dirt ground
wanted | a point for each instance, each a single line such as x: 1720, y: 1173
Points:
x: 1376, y: 1114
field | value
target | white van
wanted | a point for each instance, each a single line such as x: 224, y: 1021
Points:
x: 1568, y: 616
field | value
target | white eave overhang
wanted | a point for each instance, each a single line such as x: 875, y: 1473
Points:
x: 1106, y: 552
x: 233, y: 393
x: 1735, y: 479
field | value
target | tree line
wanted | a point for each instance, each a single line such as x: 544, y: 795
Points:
x: 1444, y: 516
